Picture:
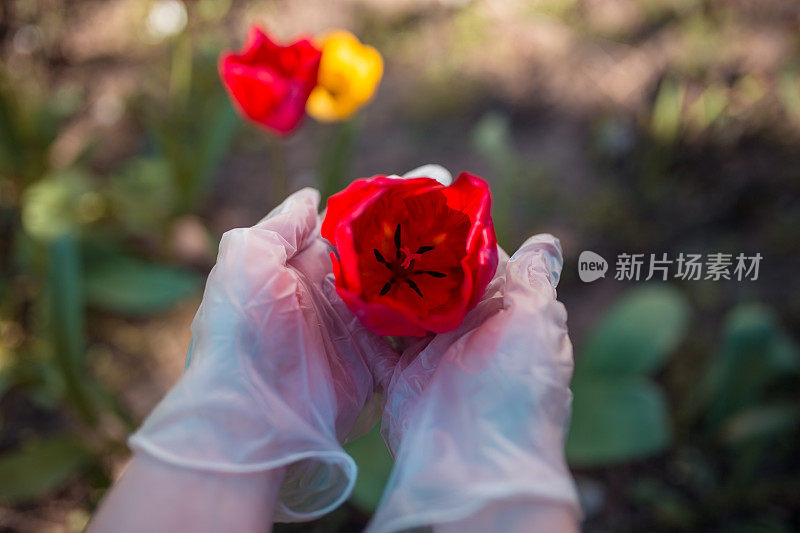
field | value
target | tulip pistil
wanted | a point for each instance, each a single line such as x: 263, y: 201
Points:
x: 402, y: 268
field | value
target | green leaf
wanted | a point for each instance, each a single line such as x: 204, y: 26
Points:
x: 616, y: 420
x: 39, y: 467
x: 131, y: 286
x: 66, y: 319
x: 65, y: 291
x: 374, y: 466
x: 755, y: 352
x: 637, y: 335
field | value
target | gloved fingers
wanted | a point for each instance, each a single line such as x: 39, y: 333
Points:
x: 420, y: 361
x: 405, y: 379
x: 503, y: 376
x: 421, y: 358
x: 378, y: 354
x: 265, y: 390
x: 296, y: 220
x: 437, y: 172
x: 489, y: 304
x: 517, y: 329
x: 313, y: 261
x: 538, y: 261
x: 249, y: 284
x: 502, y: 255
x: 533, y: 321
x: 250, y: 269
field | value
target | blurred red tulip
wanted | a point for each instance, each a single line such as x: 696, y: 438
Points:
x: 270, y: 83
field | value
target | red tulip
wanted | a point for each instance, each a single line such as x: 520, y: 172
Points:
x: 270, y: 83
x: 412, y: 255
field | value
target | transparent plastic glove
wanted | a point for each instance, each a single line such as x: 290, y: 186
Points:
x: 277, y: 371
x: 476, y: 418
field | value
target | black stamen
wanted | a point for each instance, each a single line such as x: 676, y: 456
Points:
x: 423, y: 249
x: 386, y: 288
x: 413, y: 286
x: 432, y: 273
x: 397, y: 237
x: 378, y: 256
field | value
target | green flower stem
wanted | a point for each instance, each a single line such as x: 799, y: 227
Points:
x: 336, y: 156
x: 278, y: 169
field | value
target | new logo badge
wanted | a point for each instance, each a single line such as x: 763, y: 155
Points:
x: 591, y: 266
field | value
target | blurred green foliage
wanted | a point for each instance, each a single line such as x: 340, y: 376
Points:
x: 39, y: 467
x: 522, y: 193
x: 71, y: 242
x: 193, y: 127
x: 619, y: 414
x: 127, y: 285
x: 741, y: 432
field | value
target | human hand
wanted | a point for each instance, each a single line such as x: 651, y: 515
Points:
x: 476, y: 418
x: 277, y: 372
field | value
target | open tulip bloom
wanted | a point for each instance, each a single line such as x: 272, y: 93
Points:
x: 412, y: 256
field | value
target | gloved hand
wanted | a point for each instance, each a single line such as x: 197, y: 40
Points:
x: 277, y: 371
x: 476, y: 418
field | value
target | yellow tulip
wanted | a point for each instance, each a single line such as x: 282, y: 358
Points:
x: 349, y: 73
